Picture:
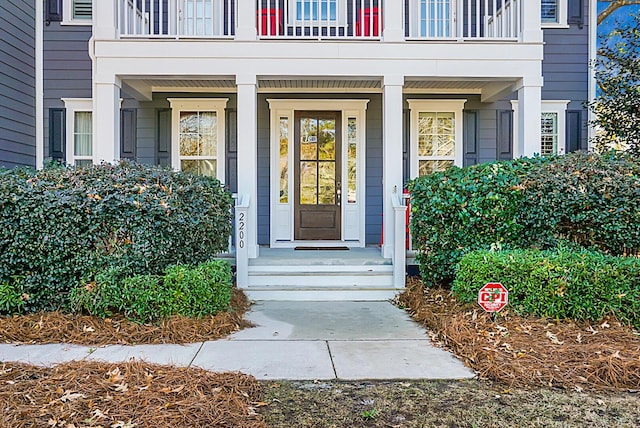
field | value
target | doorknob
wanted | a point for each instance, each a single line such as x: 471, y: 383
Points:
x: 338, y: 194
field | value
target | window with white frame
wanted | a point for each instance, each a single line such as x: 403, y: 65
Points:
x: 197, y: 143
x: 330, y: 11
x: 77, y: 12
x: 553, y: 13
x: 79, y: 124
x: 552, y: 126
x: 436, y: 135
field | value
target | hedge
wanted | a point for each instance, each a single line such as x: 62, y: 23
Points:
x: 582, y: 200
x: 183, y: 290
x: 60, y: 227
x: 579, y: 285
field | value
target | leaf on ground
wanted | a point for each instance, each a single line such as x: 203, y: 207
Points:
x: 554, y: 339
x: 70, y: 396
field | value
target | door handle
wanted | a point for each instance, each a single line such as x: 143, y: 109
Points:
x: 338, y: 194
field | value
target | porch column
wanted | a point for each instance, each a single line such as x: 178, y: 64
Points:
x: 246, y: 27
x: 391, y: 155
x: 529, y: 114
x: 104, y: 20
x: 248, y: 155
x: 531, y: 21
x: 393, y: 19
x: 106, y: 121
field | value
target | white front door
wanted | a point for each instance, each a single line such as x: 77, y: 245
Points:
x: 290, y: 184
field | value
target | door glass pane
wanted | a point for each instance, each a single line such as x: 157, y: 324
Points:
x: 202, y: 167
x: 308, y: 139
x: 327, y: 137
x: 284, y: 160
x: 352, y: 159
x: 308, y: 183
x: 327, y: 195
x: 82, y: 134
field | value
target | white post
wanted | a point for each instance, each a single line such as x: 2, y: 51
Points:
x: 391, y: 155
x: 399, y: 246
x: 104, y: 19
x: 242, y: 254
x: 246, y: 14
x: 531, y: 21
x: 248, y: 154
x: 393, y: 18
x: 529, y: 115
x: 106, y: 121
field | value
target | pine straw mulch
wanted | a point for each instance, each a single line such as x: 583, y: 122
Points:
x: 126, y: 395
x: 56, y: 327
x: 525, y: 352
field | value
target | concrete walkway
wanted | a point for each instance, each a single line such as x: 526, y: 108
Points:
x: 291, y: 340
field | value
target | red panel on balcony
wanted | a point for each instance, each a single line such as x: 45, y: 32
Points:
x: 367, y: 15
x: 270, y: 22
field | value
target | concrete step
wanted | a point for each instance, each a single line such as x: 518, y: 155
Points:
x: 320, y: 294
x: 321, y: 276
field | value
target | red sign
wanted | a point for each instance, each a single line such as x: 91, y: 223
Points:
x: 493, y: 297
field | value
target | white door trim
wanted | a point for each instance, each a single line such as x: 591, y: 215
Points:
x: 282, y: 214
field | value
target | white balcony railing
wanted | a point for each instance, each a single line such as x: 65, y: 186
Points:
x: 321, y: 19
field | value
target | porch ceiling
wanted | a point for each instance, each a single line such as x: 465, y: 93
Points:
x: 370, y: 84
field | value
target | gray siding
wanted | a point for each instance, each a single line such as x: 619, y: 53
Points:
x: 566, y: 66
x: 67, y: 67
x: 17, y: 83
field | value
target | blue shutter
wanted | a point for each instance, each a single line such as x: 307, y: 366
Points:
x: 504, y: 141
x: 470, y: 137
x: 53, y: 10
x: 128, y: 134
x: 231, y: 130
x: 574, y: 131
x: 57, y: 134
x: 163, y: 148
x: 575, y: 12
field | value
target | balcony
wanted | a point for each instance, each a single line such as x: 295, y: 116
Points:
x: 421, y: 20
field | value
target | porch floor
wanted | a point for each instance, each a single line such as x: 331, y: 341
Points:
x: 368, y: 256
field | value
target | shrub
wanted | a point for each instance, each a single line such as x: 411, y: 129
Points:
x: 12, y: 300
x: 459, y: 210
x: 182, y: 290
x: 60, y: 226
x: 589, y: 200
x: 580, y: 285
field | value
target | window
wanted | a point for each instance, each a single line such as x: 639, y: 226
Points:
x: 197, y: 143
x: 435, y: 18
x: 80, y: 122
x: 436, y: 135
x: 313, y: 10
x: 77, y: 12
x: 553, y: 13
x: 552, y: 126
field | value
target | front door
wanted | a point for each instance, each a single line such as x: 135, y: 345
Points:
x: 317, y: 184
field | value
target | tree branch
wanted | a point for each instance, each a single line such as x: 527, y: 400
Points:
x: 613, y: 6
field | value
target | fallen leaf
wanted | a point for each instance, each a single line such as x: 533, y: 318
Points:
x: 70, y: 396
x: 554, y: 339
x: 88, y: 329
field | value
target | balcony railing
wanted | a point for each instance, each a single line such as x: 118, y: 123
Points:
x: 321, y: 19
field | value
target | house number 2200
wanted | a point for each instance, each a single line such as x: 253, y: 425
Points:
x: 241, y: 230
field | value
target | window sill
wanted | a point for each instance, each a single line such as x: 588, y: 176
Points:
x: 77, y: 22
x: 554, y: 25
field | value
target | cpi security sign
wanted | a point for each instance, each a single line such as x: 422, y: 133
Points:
x: 493, y: 297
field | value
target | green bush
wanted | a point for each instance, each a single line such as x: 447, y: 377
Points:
x: 60, y: 226
x: 585, y: 199
x: 12, y: 300
x: 182, y: 290
x: 462, y: 209
x: 579, y: 285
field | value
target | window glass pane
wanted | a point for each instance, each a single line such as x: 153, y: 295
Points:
x: 188, y: 121
x: 82, y: 134
x: 435, y: 18
x: 202, y: 167
x: 284, y: 160
x: 198, y: 134
x: 82, y: 9
x: 431, y: 166
x: 308, y: 139
x: 308, y: 183
x: 549, y: 134
x: 352, y: 159
x: 327, y: 185
x: 327, y: 137
x: 436, y: 141
x: 549, y: 11
x: 83, y: 162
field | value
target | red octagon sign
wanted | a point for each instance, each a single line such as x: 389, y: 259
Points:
x: 493, y: 297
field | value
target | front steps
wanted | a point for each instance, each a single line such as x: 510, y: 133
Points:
x: 286, y: 274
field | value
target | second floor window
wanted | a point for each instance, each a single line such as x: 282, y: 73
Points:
x: 549, y: 12
x: 313, y: 10
x: 77, y: 12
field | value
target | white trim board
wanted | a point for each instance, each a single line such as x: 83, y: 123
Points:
x: 548, y: 106
x: 282, y: 214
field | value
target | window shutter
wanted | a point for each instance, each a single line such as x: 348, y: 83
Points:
x: 54, y: 10
x: 574, y: 130
x: 82, y: 9
x: 57, y: 134
x: 163, y: 152
x: 575, y: 12
x: 505, y: 135
x: 128, y: 134
x: 231, y: 129
x: 470, y: 137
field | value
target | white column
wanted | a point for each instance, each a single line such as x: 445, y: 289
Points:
x: 529, y: 114
x: 531, y: 21
x: 106, y: 121
x: 393, y: 19
x: 246, y: 19
x: 248, y: 155
x: 391, y: 155
x: 104, y: 19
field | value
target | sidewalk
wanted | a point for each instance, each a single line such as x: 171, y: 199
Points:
x: 291, y: 340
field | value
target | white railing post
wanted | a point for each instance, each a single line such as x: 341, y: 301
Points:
x: 399, y: 242
x: 105, y: 26
x: 242, y: 247
x: 531, y: 22
x: 246, y: 14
